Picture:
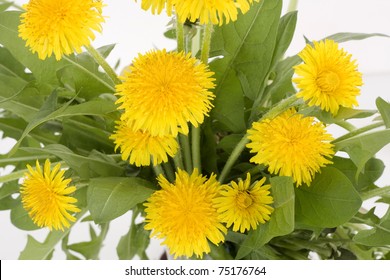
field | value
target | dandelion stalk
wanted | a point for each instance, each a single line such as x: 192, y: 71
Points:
x: 358, y: 132
x: 376, y: 192
x: 208, y: 29
x: 103, y: 63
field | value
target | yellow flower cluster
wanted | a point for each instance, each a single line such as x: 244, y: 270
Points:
x: 194, y: 210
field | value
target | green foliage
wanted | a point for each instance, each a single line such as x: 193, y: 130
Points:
x: 111, y: 197
x: 65, y: 111
x: 330, y: 201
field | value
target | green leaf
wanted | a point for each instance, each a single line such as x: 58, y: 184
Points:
x: 363, y: 147
x: 35, y: 250
x: 284, y: 36
x: 5, y: 6
x: 281, y: 86
x: 83, y: 76
x: 43, y: 70
x: 19, y: 97
x: 247, y: 47
x: 349, y: 36
x: 21, y: 219
x: 134, y: 242
x: 372, y: 171
x: 379, y: 235
x: 229, y: 142
x: 111, y: 197
x: 330, y: 201
x: 282, y: 219
x: 384, y: 109
x: 9, y: 66
x: 94, y: 165
x: 97, y: 107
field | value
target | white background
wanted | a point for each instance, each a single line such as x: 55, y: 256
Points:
x: 134, y: 31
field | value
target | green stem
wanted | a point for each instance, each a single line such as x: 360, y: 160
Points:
x: 292, y: 6
x: 158, y: 170
x: 178, y: 158
x: 103, y: 63
x: 376, y: 192
x: 179, y: 35
x: 169, y: 171
x: 185, y: 145
x: 346, y: 125
x: 232, y: 158
x: 204, y: 56
x: 274, y: 112
x: 358, y: 131
x: 22, y: 159
x: 208, y: 30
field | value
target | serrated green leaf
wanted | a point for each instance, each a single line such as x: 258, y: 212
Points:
x: 384, y: 109
x: 282, y: 219
x: 379, y: 235
x: 330, y: 201
x: 111, y: 197
x: 363, y: 147
x: 247, y: 47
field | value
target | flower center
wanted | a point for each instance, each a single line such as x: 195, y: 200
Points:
x: 328, y: 81
x: 244, y: 200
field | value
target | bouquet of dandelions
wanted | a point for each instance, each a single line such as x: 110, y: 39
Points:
x: 220, y: 145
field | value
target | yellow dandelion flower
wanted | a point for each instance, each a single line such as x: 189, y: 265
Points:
x: 60, y: 26
x: 214, y: 11
x: 140, y: 148
x: 291, y: 145
x: 244, y: 205
x: 156, y: 6
x: 183, y: 214
x: 163, y: 91
x: 45, y: 196
x: 327, y: 78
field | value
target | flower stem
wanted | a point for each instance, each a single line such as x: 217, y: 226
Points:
x: 292, y: 6
x: 169, y: 171
x: 376, y: 192
x: 272, y: 113
x: 158, y: 170
x: 178, y: 158
x: 232, y: 158
x: 179, y: 35
x: 346, y: 125
x: 103, y: 63
x: 358, y: 131
x: 204, y: 56
x: 185, y: 145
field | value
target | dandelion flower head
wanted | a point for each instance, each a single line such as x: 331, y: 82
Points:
x: 244, y: 205
x: 291, y: 145
x: 183, y: 214
x: 164, y: 91
x: 207, y: 11
x: 61, y: 27
x: 46, y: 197
x: 140, y: 148
x: 327, y: 78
